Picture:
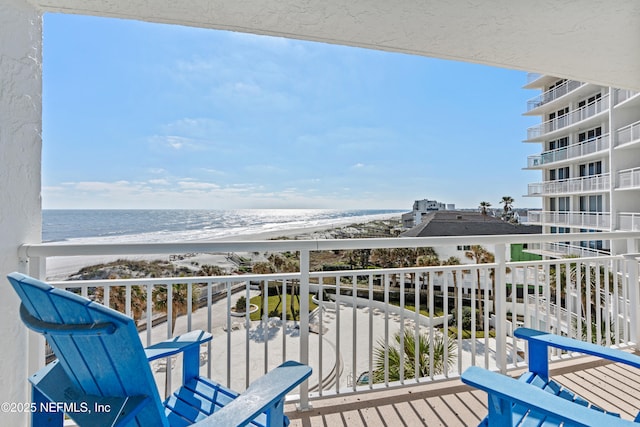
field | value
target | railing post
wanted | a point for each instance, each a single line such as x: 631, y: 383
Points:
x: 632, y: 268
x: 35, y: 267
x: 304, y: 325
x: 501, y: 308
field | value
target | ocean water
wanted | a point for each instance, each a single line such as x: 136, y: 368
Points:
x: 156, y: 226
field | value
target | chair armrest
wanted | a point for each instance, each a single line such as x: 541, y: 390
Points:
x: 182, y: 343
x: 504, y: 391
x: 539, y: 342
x: 265, y: 394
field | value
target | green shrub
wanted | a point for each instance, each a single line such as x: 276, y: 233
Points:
x: 241, y: 305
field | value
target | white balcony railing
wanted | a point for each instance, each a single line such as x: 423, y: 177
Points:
x: 564, y: 250
x: 628, y: 134
x: 628, y: 179
x: 624, y: 94
x: 585, y: 184
x: 573, y: 117
x: 359, y: 311
x: 553, y: 93
x: 588, y: 220
x: 629, y: 221
x: 569, y: 152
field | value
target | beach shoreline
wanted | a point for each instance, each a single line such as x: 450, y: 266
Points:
x: 61, y: 268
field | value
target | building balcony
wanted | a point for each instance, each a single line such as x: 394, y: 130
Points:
x: 587, y: 220
x: 629, y: 221
x: 624, y: 94
x: 357, y: 311
x: 569, y: 153
x: 628, y: 179
x: 553, y: 94
x: 585, y: 184
x: 566, y: 250
x: 628, y: 135
x: 580, y: 115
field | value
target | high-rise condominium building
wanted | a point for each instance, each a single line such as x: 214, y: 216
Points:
x: 589, y: 137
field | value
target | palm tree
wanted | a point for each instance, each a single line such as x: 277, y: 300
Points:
x: 484, y: 206
x: 507, y: 201
x: 264, y: 268
x: 427, y: 261
x: 480, y: 256
x: 179, y: 300
x: 118, y: 299
x: 293, y: 266
x: 359, y: 258
x: 558, y: 281
x: 425, y: 348
x: 453, y: 260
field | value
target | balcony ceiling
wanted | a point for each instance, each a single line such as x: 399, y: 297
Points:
x: 589, y: 40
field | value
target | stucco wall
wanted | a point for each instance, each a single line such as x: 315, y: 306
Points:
x: 590, y: 40
x: 20, y: 154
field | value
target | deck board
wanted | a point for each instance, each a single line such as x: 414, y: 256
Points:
x: 451, y: 403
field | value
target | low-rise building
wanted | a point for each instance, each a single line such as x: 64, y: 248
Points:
x: 467, y: 223
x: 421, y: 208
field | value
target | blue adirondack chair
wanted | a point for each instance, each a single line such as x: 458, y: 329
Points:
x: 102, y: 375
x: 537, y: 400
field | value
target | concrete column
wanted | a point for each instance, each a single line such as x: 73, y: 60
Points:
x: 20, y: 169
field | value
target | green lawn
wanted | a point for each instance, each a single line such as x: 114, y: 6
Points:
x: 453, y: 333
x: 423, y: 311
x: 275, y: 306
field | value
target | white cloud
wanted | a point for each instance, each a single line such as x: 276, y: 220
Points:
x: 196, y: 185
x: 176, y: 142
x: 213, y: 171
x: 156, y: 171
x: 98, y: 186
x: 159, y: 181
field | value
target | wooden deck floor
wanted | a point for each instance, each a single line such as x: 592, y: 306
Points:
x: 451, y: 403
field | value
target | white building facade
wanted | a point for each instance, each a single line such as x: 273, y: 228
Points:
x: 589, y: 160
x: 422, y: 208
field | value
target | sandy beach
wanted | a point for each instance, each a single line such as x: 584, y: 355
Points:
x: 60, y: 268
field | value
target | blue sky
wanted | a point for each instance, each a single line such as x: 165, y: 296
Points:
x: 139, y: 115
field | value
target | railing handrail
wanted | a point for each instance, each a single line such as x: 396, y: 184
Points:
x: 628, y: 178
x: 574, y: 213
x: 630, y: 170
x: 583, y: 184
x: 29, y: 250
x: 628, y: 133
x: 623, y: 128
x: 576, y: 179
x: 624, y: 94
x: 572, y: 249
x: 573, y: 150
x: 572, y: 117
x: 554, y: 93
